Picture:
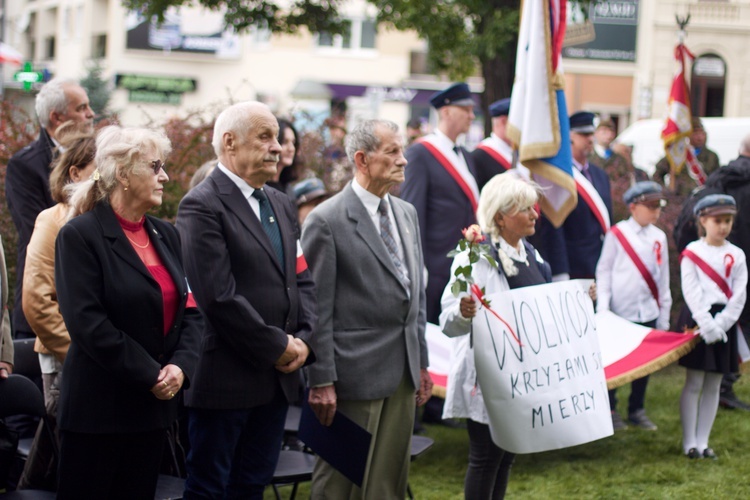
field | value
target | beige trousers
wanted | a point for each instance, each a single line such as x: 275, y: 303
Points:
x: 390, y: 421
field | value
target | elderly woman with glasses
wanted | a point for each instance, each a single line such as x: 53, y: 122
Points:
x: 133, y: 324
x: 507, y: 215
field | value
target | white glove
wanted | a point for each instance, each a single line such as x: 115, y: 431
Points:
x: 711, y: 333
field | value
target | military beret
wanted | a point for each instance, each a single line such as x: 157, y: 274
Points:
x: 309, y: 190
x: 500, y: 108
x: 715, y: 204
x: 608, y: 123
x: 643, y: 191
x: 457, y: 94
x: 582, y: 122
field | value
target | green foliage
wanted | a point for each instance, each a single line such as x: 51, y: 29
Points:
x: 317, y: 15
x: 98, y: 90
x: 461, y: 33
x: 17, y: 130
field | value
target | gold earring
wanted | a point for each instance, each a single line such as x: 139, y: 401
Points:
x: 126, y: 188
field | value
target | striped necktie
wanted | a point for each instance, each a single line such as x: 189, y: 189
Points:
x: 386, y: 232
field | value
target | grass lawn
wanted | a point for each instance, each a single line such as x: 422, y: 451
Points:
x: 630, y: 464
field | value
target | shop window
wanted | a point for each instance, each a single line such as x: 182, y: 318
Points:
x: 99, y: 46
x: 49, y: 46
x: 358, y: 35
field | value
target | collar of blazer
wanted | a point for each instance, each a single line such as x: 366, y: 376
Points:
x: 371, y: 235
x: 235, y: 201
x: 112, y: 231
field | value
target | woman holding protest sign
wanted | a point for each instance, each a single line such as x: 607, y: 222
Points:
x: 506, y: 216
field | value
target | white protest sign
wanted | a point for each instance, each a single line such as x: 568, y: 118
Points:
x: 549, y: 392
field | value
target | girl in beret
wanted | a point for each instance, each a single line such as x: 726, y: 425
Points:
x: 714, y: 279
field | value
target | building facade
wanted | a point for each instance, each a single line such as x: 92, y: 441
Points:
x: 619, y: 61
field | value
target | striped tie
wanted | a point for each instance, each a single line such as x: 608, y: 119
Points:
x: 269, y: 224
x: 386, y: 233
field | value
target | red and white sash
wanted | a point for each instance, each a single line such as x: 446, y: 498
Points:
x: 451, y: 169
x: 588, y: 193
x: 638, y: 262
x: 488, y: 147
x: 710, y: 272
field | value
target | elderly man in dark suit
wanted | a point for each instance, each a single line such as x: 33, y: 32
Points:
x: 240, y: 242
x: 573, y: 249
x: 27, y: 177
x: 365, y: 255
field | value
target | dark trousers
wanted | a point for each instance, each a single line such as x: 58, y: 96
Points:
x: 233, y: 453
x: 637, y: 387
x: 637, y: 395
x: 112, y: 466
x: 489, y: 465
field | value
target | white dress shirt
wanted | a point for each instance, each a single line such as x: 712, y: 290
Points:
x: 445, y: 145
x: 621, y: 287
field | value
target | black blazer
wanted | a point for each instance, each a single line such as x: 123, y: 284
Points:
x: 249, y: 303
x: 27, y: 194
x: 113, y: 309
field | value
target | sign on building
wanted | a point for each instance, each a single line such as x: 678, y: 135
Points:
x: 609, y: 32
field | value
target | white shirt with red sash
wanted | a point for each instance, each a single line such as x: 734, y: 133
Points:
x: 620, y: 286
x: 701, y: 292
x: 445, y: 146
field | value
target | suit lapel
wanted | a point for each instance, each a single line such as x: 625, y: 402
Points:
x: 367, y: 231
x: 233, y: 199
x: 120, y: 245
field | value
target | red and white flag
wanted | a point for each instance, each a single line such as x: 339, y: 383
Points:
x: 10, y: 55
x: 631, y: 351
x: 678, y: 126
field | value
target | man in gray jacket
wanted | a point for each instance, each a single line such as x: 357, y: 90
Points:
x: 364, y: 251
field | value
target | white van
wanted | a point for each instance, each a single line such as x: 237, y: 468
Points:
x: 724, y: 136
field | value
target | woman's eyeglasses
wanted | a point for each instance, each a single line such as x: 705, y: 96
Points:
x: 157, y: 166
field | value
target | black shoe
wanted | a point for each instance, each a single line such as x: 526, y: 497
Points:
x: 708, y: 453
x: 730, y: 401
x: 693, y: 453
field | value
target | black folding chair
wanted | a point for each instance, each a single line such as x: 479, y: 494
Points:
x: 20, y: 396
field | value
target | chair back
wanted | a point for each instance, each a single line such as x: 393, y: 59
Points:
x: 25, y: 360
x: 20, y: 396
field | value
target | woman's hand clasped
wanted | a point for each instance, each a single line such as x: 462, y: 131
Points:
x: 169, y: 382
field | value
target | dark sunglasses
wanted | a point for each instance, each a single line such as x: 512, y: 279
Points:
x: 157, y: 166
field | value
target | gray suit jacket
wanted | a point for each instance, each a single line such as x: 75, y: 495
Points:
x: 370, y: 329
